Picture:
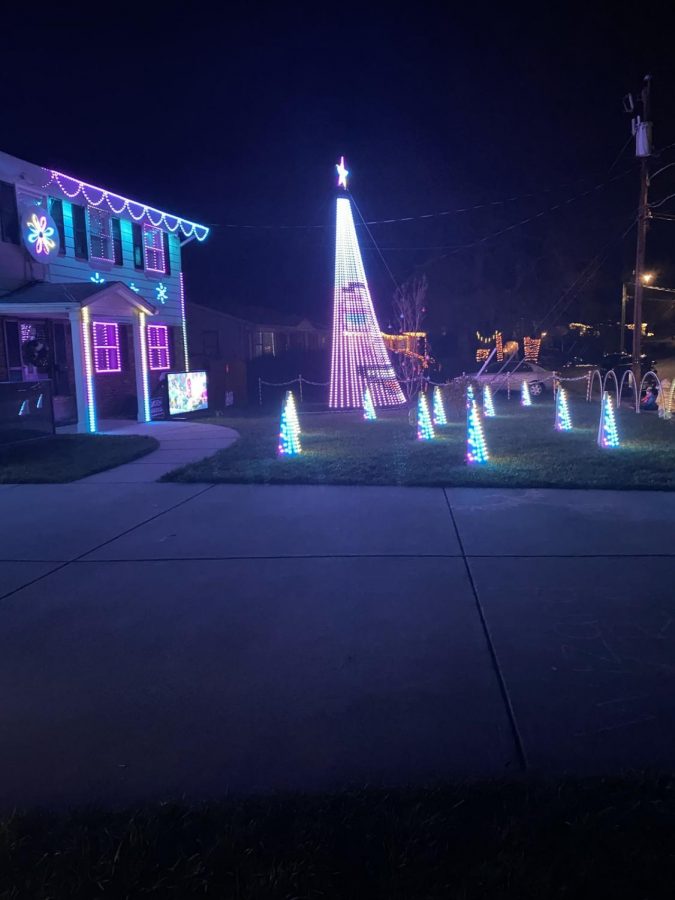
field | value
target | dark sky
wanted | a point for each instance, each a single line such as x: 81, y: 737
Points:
x: 240, y: 119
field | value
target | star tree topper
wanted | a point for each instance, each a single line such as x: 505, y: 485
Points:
x: 342, y: 173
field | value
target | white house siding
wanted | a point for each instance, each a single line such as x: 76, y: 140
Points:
x: 67, y: 268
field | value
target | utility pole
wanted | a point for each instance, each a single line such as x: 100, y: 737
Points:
x: 642, y: 129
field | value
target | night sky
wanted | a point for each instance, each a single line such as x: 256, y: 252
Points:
x: 241, y: 120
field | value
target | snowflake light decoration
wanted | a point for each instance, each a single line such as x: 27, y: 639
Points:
x: 40, y: 234
x: 162, y: 292
x: 134, y: 288
x: 97, y: 278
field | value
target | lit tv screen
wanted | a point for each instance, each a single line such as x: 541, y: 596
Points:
x: 187, y: 392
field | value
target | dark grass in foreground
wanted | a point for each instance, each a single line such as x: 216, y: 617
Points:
x: 525, y: 451
x: 599, y: 838
x: 68, y: 457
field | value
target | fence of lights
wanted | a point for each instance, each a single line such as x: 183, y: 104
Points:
x: 608, y: 436
x: 359, y: 357
x: 369, y: 413
x: 476, y: 447
x: 488, y: 403
x: 425, y: 428
x: 97, y: 197
x: 440, y: 417
x: 563, y: 420
x: 289, y: 432
x: 525, y: 398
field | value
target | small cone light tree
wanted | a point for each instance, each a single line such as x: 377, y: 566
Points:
x: 476, y: 448
x: 440, y: 417
x: 368, y: 407
x: 608, y: 436
x: 289, y: 433
x: 425, y: 428
x: 525, y: 399
x: 488, y: 405
x: 563, y: 420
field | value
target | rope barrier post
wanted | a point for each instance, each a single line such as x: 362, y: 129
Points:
x: 508, y: 388
x: 259, y: 391
x: 588, y: 386
x: 300, y: 380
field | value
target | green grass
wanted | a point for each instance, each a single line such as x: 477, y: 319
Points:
x: 525, y: 451
x: 602, y: 838
x: 68, y: 457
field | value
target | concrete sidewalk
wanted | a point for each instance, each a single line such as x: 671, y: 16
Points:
x: 169, y: 639
x: 180, y: 442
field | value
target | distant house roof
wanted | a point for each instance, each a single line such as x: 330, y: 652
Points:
x: 260, y: 315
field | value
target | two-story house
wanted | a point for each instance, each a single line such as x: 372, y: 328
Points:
x: 91, y: 292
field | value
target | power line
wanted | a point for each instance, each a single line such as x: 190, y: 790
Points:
x: 435, y: 215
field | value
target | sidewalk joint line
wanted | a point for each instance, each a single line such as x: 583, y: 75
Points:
x: 510, y: 712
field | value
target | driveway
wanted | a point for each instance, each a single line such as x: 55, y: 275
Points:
x: 167, y: 639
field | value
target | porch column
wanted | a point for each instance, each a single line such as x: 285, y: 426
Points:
x: 141, y: 366
x: 83, y: 370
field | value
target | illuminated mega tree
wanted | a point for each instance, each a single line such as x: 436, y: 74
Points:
x: 359, y: 357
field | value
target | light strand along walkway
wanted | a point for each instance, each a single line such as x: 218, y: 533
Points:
x: 180, y: 443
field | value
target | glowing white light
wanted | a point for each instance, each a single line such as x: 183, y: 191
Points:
x: 342, y: 173
x: 88, y: 371
x: 144, y: 368
x: 359, y: 358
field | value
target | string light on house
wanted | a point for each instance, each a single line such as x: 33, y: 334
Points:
x: 476, y: 447
x: 440, y: 417
x: 563, y: 420
x: 608, y: 436
x: 97, y: 278
x: 488, y: 404
x: 425, y: 428
x: 359, y: 357
x: 98, y: 197
x: 368, y: 406
x: 499, y: 346
x: 525, y: 398
x: 289, y: 432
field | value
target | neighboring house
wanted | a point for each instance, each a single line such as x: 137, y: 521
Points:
x: 91, y: 292
x: 233, y: 346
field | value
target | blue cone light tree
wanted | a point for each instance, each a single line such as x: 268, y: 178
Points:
x: 476, y: 447
x: 488, y: 405
x: 368, y: 406
x: 289, y: 433
x: 425, y: 428
x: 440, y: 417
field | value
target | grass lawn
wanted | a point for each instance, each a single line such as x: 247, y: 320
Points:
x: 525, y: 451
x: 68, y: 457
x: 608, y: 838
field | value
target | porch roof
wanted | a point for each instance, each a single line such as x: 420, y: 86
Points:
x: 44, y: 296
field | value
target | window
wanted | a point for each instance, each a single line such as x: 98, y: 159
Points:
x: 211, y: 344
x: 153, y: 245
x: 118, y: 256
x: 9, y: 217
x: 137, y: 234
x: 158, y: 347
x: 56, y: 212
x: 80, y: 232
x: 107, y: 347
x: 264, y: 343
x: 100, y: 235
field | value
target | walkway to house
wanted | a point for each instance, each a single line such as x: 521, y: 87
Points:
x: 168, y: 639
x: 180, y: 443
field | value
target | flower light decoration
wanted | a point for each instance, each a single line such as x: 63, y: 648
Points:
x: 40, y: 234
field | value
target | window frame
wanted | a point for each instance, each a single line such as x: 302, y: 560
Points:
x: 155, y: 350
x: 54, y: 204
x: 106, y: 348
x: 105, y: 224
x: 156, y: 249
x: 80, y: 231
x: 10, y: 229
x: 117, y: 245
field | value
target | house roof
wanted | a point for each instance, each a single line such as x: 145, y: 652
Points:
x: 57, y: 183
x: 77, y: 293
